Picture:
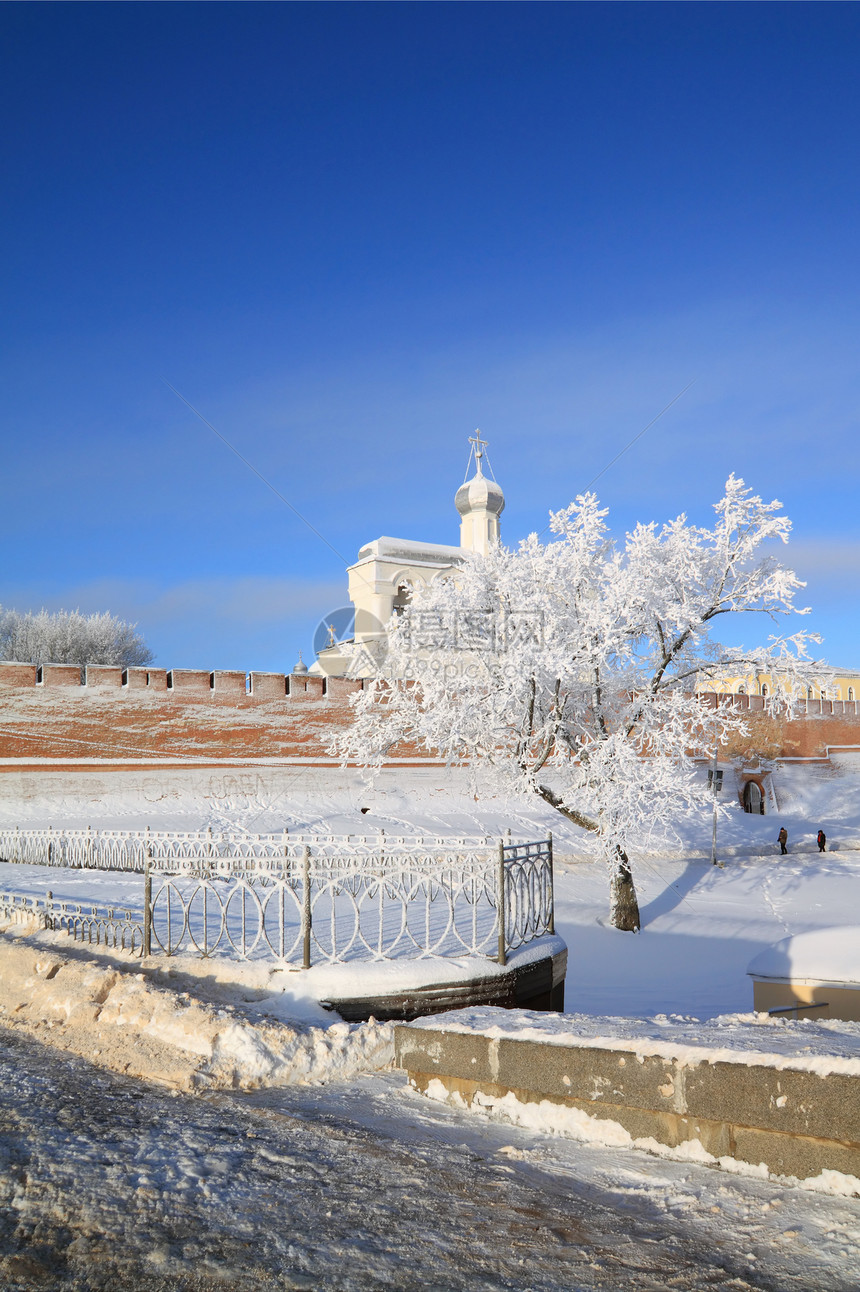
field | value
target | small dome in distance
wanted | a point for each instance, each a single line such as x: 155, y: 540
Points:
x: 479, y: 493
x: 301, y: 668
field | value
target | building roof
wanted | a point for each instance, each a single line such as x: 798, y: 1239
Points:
x: 410, y: 551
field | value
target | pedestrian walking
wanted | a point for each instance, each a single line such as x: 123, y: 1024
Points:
x: 783, y: 840
x: 822, y: 841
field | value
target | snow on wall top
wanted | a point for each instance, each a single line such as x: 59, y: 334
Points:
x: 825, y: 955
x: 821, y: 1046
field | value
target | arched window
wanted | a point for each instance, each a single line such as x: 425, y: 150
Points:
x: 765, y: 692
x: 742, y: 690
x: 402, y: 597
x: 851, y: 693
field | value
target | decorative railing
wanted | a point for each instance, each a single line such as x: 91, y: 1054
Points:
x: 100, y: 926
x: 278, y: 898
x: 528, y: 907
x: 127, y: 849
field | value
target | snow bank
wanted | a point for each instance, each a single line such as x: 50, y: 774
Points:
x: 184, y: 1025
x: 823, y: 955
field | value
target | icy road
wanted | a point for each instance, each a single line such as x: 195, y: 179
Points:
x: 109, y: 1183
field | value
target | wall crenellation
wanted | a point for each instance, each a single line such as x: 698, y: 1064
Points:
x: 806, y: 708
x: 104, y: 710
x: 224, y: 685
x: 232, y: 685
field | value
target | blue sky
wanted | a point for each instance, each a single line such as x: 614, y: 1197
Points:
x: 350, y: 234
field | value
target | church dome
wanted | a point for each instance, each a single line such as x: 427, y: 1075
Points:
x: 301, y: 668
x: 479, y: 494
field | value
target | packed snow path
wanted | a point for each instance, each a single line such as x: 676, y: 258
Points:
x: 106, y: 1182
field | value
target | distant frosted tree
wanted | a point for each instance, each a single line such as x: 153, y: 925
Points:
x: 573, y: 670
x: 68, y: 637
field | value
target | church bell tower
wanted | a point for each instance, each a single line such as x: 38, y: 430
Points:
x: 480, y: 503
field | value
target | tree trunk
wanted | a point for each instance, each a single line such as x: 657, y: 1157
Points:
x: 623, y: 904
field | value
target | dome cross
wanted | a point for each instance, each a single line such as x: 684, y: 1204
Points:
x: 478, y: 448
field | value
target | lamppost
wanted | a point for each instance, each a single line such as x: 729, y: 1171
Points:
x: 715, y: 783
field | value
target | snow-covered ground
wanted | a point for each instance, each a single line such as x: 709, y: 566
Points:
x: 701, y: 924
x: 386, y: 1189
x: 109, y: 1183
x: 701, y: 927
x: 408, y: 801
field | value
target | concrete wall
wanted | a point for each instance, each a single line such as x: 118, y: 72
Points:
x: 537, y: 984
x: 797, y: 1123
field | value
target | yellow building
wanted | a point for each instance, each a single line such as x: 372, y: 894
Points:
x: 841, y: 684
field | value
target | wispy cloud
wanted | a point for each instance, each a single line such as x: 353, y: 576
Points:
x: 249, y: 599
x: 373, y: 441
x: 776, y: 399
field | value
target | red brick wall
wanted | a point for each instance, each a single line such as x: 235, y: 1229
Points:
x: 337, y: 687
x: 268, y: 686
x: 305, y: 688
x: 17, y: 674
x: 139, y: 679
x: 227, y: 686
x: 189, y: 682
x: 817, y: 725
x: 65, y: 720
x: 104, y: 675
x: 59, y: 674
x: 280, y: 717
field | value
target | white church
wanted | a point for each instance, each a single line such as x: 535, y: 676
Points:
x: 382, y: 579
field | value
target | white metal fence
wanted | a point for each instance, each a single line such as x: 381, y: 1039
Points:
x: 281, y: 898
x: 127, y: 849
x: 105, y: 926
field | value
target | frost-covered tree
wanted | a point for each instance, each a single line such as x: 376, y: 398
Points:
x: 68, y: 637
x: 574, y: 670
